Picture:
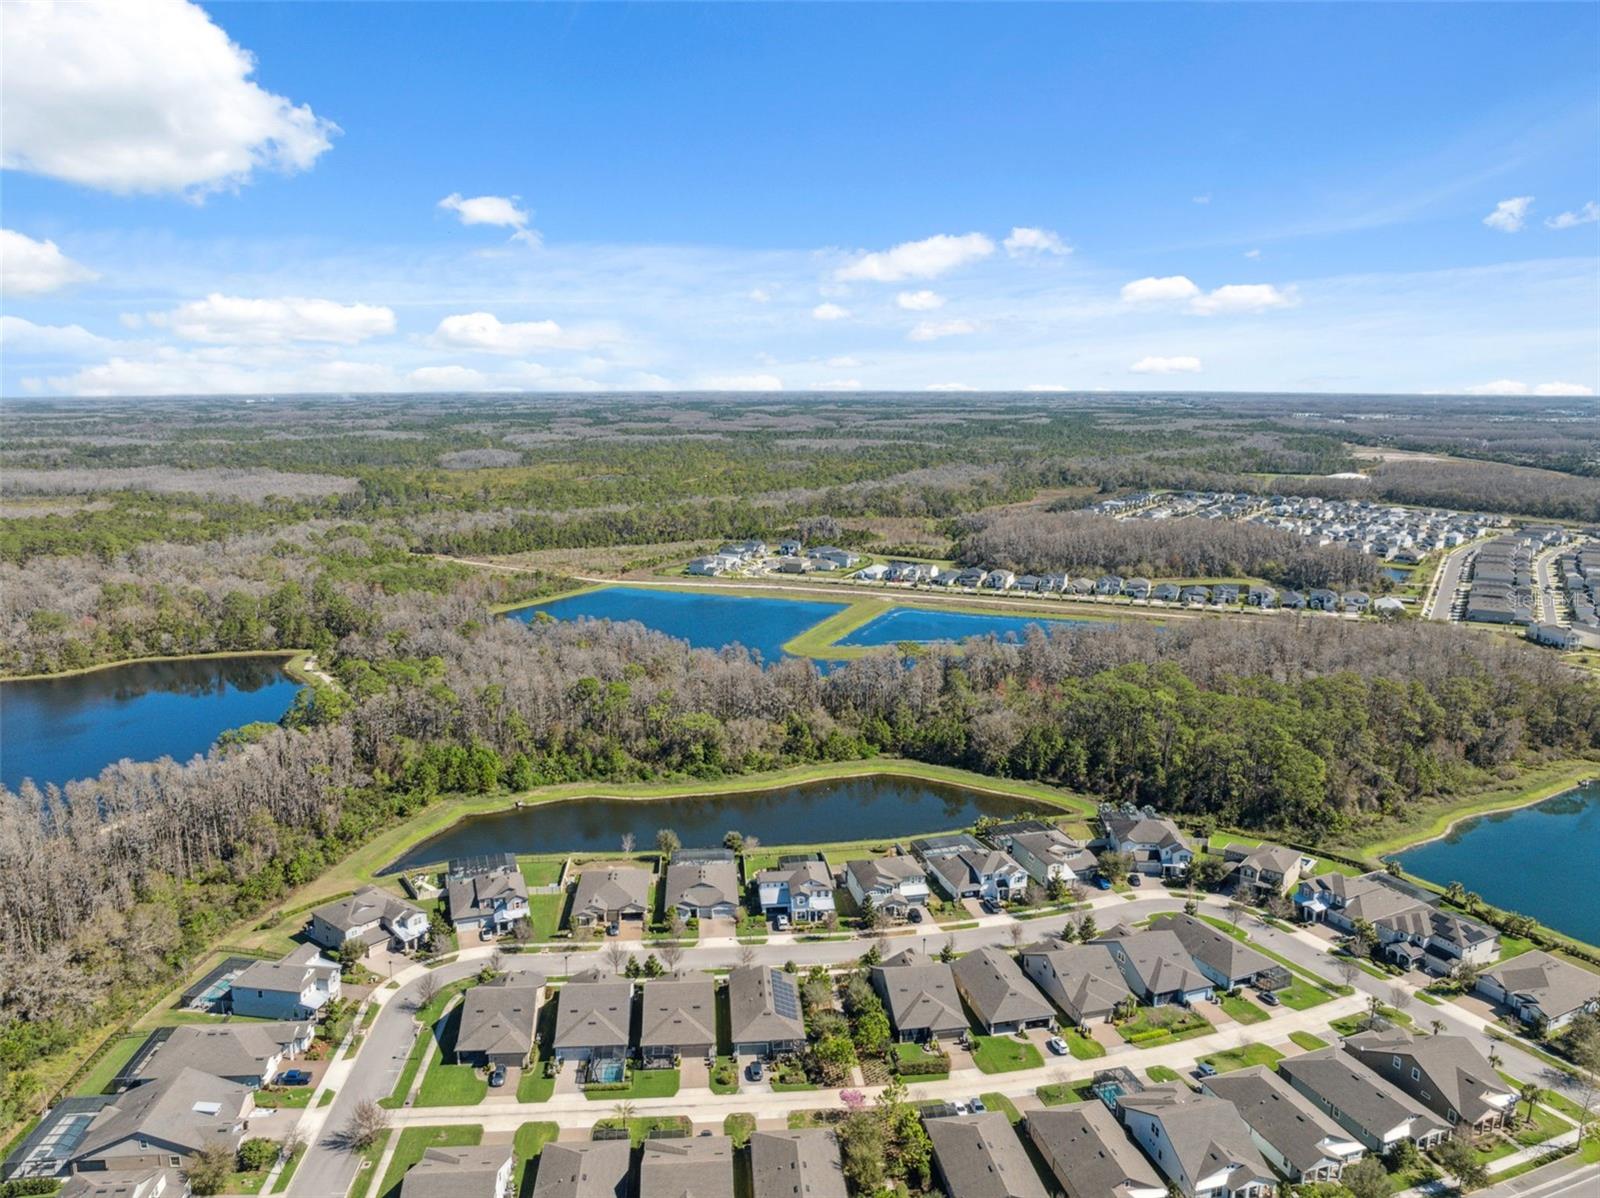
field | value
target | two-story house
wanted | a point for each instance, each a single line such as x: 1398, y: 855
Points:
x: 1198, y: 1142
x: 371, y: 916
x: 298, y: 986
x: 893, y: 885
x: 490, y: 903
x: 1266, y: 869
x: 1445, y: 1073
x: 1050, y: 854
x: 1155, y: 844
x: 800, y: 888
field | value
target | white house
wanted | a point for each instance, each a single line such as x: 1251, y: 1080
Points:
x: 296, y: 987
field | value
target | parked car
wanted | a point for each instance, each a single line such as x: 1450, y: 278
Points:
x: 914, y: 915
x: 1057, y: 1045
x: 1205, y: 1069
x: 613, y: 929
x: 989, y: 905
x: 497, y: 1076
x: 780, y: 921
x: 977, y: 1106
x: 1103, y: 883
x: 1135, y: 879
x: 1269, y: 998
x: 753, y: 1072
x: 962, y: 1108
x: 294, y: 1077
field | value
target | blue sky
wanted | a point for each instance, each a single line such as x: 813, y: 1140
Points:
x: 320, y: 197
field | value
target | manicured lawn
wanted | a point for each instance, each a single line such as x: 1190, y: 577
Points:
x: 529, y: 1143
x: 1544, y: 1126
x: 287, y: 1175
x: 1301, y: 996
x: 450, y: 1085
x: 535, y: 1086
x: 428, y: 1016
x: 727, y: 1068
x: 245, y: 1183
x: 1513, y: 946
x: 544, y: 916
x: 638, y: 1129
x: 1493, y: 1150
x: 1004, y: 1054
x: 738, y: 1127
x: 1307, y: 1041
x: 414, y: 1141
x: 292, y: 1098
x: 1351, y: 1024
x: 1160, y: 1073
x: 1243, y: 1010
x: 98, y: 1079
x: 644, y: 1083
x: 1243, y: 1057
x: 1083, y: 1047
x: 370, y: 1156
x: 1061, y: 1093
x: 327, y: 1097
x: 1163, y: 1025
x: 541, y: 871
x: 999, y: 1102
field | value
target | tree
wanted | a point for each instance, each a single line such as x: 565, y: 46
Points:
x: 667, y: 842
x: 1087, y: 929
x: 1366, y: 1178
x: 1347, y: 969
x: 1399, y: 997
x: 1190, y: 907
x: 351, y: 953
x: 947, y: 953
x: 1364, y: 937
x: 1436, y: 1026
x: 1458, y: 1159
x: 622, y: 1113
x: 1207, y: 873
x: 671, y: 954
x: 747, y: 956
x: 652, y: 967
x: 257, y: 1154
x: 1114, y: 867
x: 1017, y: 935
x: 1531, y: 1093
x: 496, y: 964
x: 209, y: 1170
x: 427, y: 990
x: 366, y: 1123
x: 732, y: 839
x: 615, y: 957
x: 1236, y: 910
x: 1455, y: 893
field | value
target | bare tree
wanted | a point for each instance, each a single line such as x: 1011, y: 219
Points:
x: 497, y: 961
x: 366, y: 1123
x: 615, y: 957
x: 747, y: 956
x: 427, y: 989
x: 671, y: 954
x: 1348, y: 970
x: 1017, y: 934
x: 628, y: 841
x: 1399, y: 997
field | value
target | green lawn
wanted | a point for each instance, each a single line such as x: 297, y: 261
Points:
x: 529, y: 1143
x: 1351, y: 1024
x: 327, y: 1097
x: 999, y: 1102
x: 638, y: 1129
x: 1307, y: 1041
x: 727, y: 1067
x: 535, y: 1086
x: 1061, y: 1093
x: 428, y: 1016
x: 1162, y: 1025
x: 1160, y: 1073
x: 643, y: 1083
x: 292, y: 1098
x: 738, y: 1127
x: 450, y: 1085
x: 1004, y: 1054
x: 1082, y: 1046
x: 370, y: 1156
x: 98, y: 1079
x: 1543, y: 1127
x: 541, y: 871
x: 1243, y: 1057
x: 414, y: 1141
x: 544, y: 916
x: 1243, y: 1010
x: 287, y: 1174
x: 1300, y: 996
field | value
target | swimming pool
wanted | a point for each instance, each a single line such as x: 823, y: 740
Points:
x: 607, y: 1069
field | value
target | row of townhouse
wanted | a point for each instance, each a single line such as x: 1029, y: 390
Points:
x: 1577, y: 573
x: 1503, y: 588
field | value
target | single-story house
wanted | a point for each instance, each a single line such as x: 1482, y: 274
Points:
x: 999, y: 994
x: 892, y: 885
x: 371, y: 916
x: 249, y: 1054
x: 1049, y: 855
x: 296, y: 987
x: 1224, y: 592
x: 920, y: 996
x: 764, y: 1011
x: 1447, y: 1074
x: 164, y: 1124
x: 594, y: 1014
x: 1200, y: 1143
x: 804, y: 1162
x: 701, y: 1167
x: 590, y: 1169
x: 607, y: 896
x: 1298, y: 1140
x: 1155, y: 844
x: 1084, y: 980
x: 979, y: 1156
x: 490, y: 902
x: 497, y: 1021
x: 679, y: 1018
x: 1291, y: 599
x: 1090, y: 1155
x: 1196, y: 594
x: 1267, y: 869
x: 1156, y: 966
x: 1226, y: 961
x: 467, y: 1172
x: 1544, y: 991
x: 703, y: 884
x: 1369, y: 1108
x: 800, y: 889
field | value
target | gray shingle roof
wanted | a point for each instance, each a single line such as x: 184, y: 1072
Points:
x: 1091, y: 981
x: 1280, y: 1115
x: 1456, y: 1071
x: 221, y: 1049
x: 981, y: 1157
x: 469, y: 1172
x: 1206, y: 1133
x: 598, y: 1169
x: 498, y: 1017
x: 1230, y: 957
x: 679, y: 1012
x: 997, y: 989
x: 702, y: 883
x: 796, y: 1164
x: 1370, y: 1102
x: 1160, y: 960
x: 363, y: 907
x: 1091, y: 1155
x: 1556, y: 986
x: 189, y: 1109
x: 755, y: 993
x: 594, y: 1014
x: 606, y: 890
x: 698, y: 1168
x: 921, y: 998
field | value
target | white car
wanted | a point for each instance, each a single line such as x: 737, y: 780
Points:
x: 1057, y: 1045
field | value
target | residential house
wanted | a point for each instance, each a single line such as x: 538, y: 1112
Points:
x: 1447, y: 1074
x: 764, y: 1011
x: 703, y: 884
x: 1262, y: 596
x: 1544, y: 991
x: 749, y: 550
x: 1167, y: 592
x: 133, y: 1183
x: 1084, y: 980
x: 999, y: 580
x: 980, y: 1156
x: 1410, y: 927
x: 697, y: 1168
x: 1108, y: 584
x: 1049, y: 855
x: 1155, y: 844
x: 977, y: 872
x: 800, y: 888
x: 892, y: 885
x: 1294, y: 600
x: 1267, y: 869
x: 999, y: 994
x: 841, y: 559
x: 1358, y: 1100
x: 591, y: 1169
x: 1297, y: 1138
x: 1322, y: 599
x: 1196, y: 594
x: 248, y: 1054
x: 1355, y: 600
x: 1137, y: 588
x: 789, y: 548
x: 164, y: 1124
x: 1227, y: 962
x: 876, y: 572
x: 920, y: 996
x: 1224, y: 592
x: 296, y: 987
x: 1198, y: 1142
x: 612, y: 896
x: 1090, y: 1155
x: 795, y: 565
x: 490, y: 903
x: 371, y: 916
x: 594, y: 1013
x: 497, y: 1021
x: 803, y: 1163
x: 465, y: 1172
x: 1156, y: 966
x: 679, y: 1018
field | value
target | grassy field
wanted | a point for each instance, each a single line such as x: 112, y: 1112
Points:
x: 428, y: 1016
x: 641, y: 1127
x: 1301, y: 996
x: 414, y: 1141
x: 1243, y: 1057
x: 1004, y: 1054
x: 98, y: 1079
x: 1061, y: 1093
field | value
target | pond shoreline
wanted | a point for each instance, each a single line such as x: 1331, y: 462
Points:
x: 295, y: 667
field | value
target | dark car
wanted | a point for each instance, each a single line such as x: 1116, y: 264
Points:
x: 754, y: 1071
x: 1135, y: 879
x: 294, y: 1077
x: 613, y: 929
x: 498, y: 1076
x: 1269, y: 998
x: 914, y: 915
x: 989, y: 905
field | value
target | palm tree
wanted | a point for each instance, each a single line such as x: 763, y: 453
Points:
x: 1494, y: 1058
x: 1472, y: 900
x: 1455, y: 893
x: 1436, y: 1026
x: 623, y: 1113
x: 1531, y: 1094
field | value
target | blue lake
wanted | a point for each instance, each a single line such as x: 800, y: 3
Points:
x: 60, y: 729
x: 921, y: 625
x: 706, y: 621
x: 1397, y: 574
x: 1525, y: 860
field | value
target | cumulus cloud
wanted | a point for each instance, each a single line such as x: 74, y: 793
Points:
x: 829, y: 312
x: 1159, y: 291
x: 933, y: 330
x: 498, y: 211
x: 1242, y: 297
x: 29, y: 267
x: 1587, y: 215
x: 1030, y: 242
x: 1183, y: 364
x: 919, y: 301
x: 843, y: 363
x: 143, y: 97
x: 1509, y: 215
x: 742, y: 382
x: 949, y: 387
x: 1516, y: 387
x: 487, y: 333
x: 926, y: 259
x: 233, y: 319
x: 19, y: 336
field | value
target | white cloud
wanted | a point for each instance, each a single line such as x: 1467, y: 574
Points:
x: 932, y: 330
x: 131, y: 320
x: 843, y: 363
x: 19, y: 336
x: 1025, y: 242
x: 228, y: 318
x: 1587, y: 215
x: 1509, y: 215
x: 759, y: 295
x: 499, y: 211
x: 1242, y: 297
x: 840, y: 385
x: 448, y: 378
x: 919, y: 301
x: 1201, y: 199
x: 1252, y: 254
x: 830, y: 312
x: 29, y: 267
x: 742, y: 382
x: 1179, y: 365
x: 485, y: 332
x: 142, y: 97
x: 948, y: 387
x: 925, y: 259
x: 1158, y: 291
x: 1515, y: 387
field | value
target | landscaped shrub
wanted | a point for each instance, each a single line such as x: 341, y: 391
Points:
x: 257, y: 1154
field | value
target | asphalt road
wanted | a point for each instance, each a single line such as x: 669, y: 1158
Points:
x: 1448, y: 580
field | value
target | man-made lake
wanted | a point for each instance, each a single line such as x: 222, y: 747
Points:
x: 1536, y: 860
x: 922, y: 625
x: 59, y: 729
x: 872, y: 808
x: 706, y: 621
